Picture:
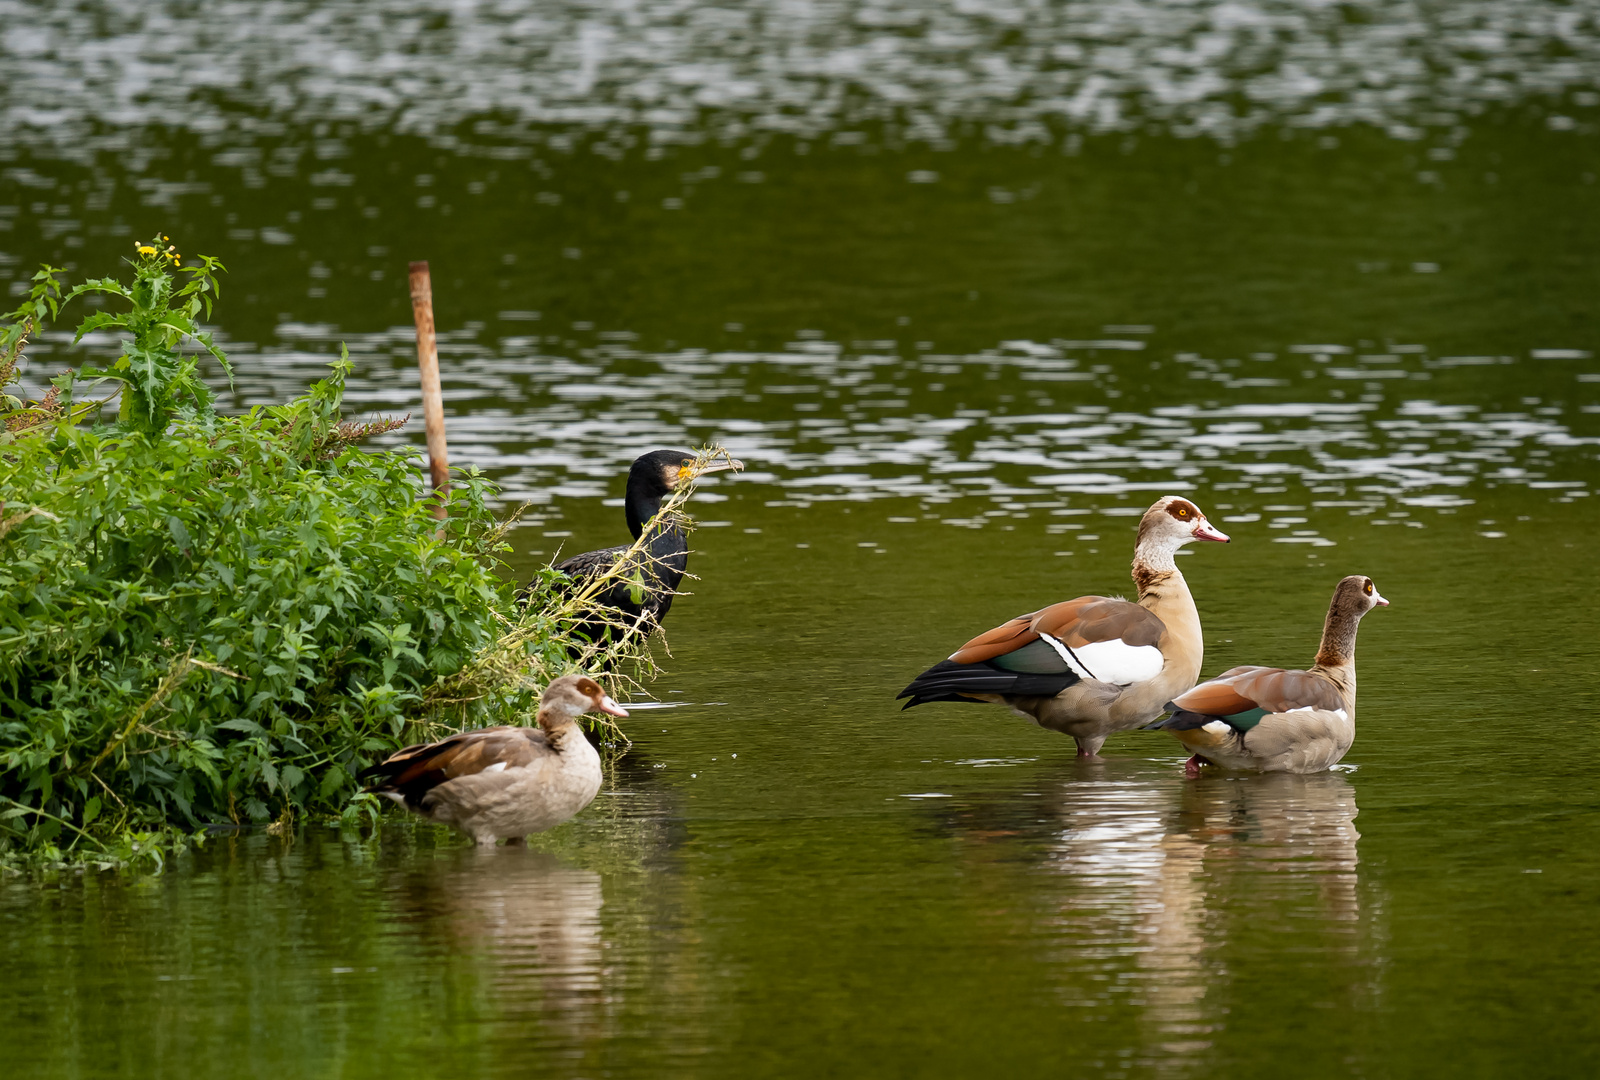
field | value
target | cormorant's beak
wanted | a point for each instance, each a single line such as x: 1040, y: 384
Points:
x: 611, y: 708
x: 1207, y: 531
x: 722, y: 465
x: 687, y: 472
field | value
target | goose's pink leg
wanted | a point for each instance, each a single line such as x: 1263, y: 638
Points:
x: 1191, y: 768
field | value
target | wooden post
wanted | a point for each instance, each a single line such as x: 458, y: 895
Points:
x: 432, y: 396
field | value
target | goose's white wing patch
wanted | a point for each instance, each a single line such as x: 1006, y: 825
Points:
x: 1068, y: 657
x: 1117, y: 662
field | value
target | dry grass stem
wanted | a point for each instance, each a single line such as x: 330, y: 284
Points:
x: 621, y: 656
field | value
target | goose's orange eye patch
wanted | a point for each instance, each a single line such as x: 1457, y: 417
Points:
x: 1369, y: 588
x: 1183, y: 513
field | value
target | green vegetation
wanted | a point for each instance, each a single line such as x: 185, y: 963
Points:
x: 209, y: 619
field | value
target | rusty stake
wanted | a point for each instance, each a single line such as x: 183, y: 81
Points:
x: 432, y: 396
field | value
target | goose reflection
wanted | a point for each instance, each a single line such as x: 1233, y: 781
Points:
x: 1167, y: 876
x: 1275, y: 847
x: 528, y: 923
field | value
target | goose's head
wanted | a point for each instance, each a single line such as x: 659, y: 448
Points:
x: 1172, y: 522
x: 1355, y: 596
x: 570, y: 696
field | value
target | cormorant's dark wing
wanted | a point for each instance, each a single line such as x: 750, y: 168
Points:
x: 644, y: 592
x: 591, y: 563
x: 650, y: 588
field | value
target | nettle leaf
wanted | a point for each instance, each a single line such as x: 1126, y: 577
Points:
x: 332, y: 781
x: 249, y: 727
x: 180, y: 534
x: 637, y: 589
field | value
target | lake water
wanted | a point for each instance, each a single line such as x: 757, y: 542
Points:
x: 966, y: 285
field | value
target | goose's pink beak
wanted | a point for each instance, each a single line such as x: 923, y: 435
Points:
x: 1204, y: 530
x: 611, y: 708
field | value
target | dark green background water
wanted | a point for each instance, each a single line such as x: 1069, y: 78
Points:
x: 957, y: 366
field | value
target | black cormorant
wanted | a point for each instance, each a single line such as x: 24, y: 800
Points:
x: 664, y: 558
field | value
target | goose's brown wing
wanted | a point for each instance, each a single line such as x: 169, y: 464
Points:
x: 1075, y: 623
x: 1269, y: 689
x: 1242, y: 697
x: 416, y: 770
x: 1046, y: 651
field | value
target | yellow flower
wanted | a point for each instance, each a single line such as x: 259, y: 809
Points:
x: 146, y: 249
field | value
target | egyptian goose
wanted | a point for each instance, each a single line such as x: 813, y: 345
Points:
x: 652, y: 478
x: 504, y: 782
x: 1095, y: 665
x: 1272, y: 720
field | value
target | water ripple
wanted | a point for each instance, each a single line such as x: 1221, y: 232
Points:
x: 552, y: 427
x: 1018, y: 72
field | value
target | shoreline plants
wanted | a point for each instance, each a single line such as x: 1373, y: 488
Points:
x: 220, y: 620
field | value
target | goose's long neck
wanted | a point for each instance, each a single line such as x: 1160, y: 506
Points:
x: 1336, y: 657
x: 1164, y: 593
x: 1338, y: 648
x: 556, y: 724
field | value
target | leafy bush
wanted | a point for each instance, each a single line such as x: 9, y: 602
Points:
x: 209, y: 619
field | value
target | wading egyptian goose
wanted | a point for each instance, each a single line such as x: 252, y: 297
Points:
x: 1091, y: 666
x: 504, y: 782
x: 1273, y: 720
x: 651, y: 479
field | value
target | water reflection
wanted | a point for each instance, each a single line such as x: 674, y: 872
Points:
x: 532, y: 923
x: 1166, y: 884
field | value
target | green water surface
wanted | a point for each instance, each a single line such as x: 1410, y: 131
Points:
x: 956, y: 372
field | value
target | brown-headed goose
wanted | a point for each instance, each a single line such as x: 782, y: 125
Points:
x: 1272, y: 720
x: 1092, y: 666
x: 504, y: 782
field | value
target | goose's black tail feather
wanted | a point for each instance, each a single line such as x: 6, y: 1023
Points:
x: 1180, y: 720
x: 950, y: 681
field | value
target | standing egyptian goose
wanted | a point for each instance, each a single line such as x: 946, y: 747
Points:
x: 1092, y: 666
x: 651, y: 479
x: 504, y: 782
x: 1272, y: 720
